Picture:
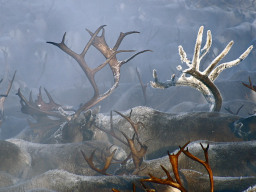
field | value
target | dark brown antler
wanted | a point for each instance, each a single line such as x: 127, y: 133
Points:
x: 137, y: 155
x: 250, y: 85
x: 50, y: 106
x: 232, y: 112
x: 108, y: 161
x: 99, y: 43
x: 112, y: 131
x: 204, y: 163
x: 39, y: 107
x: 134, y: 125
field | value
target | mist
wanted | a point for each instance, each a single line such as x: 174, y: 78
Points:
x: 42, y: 148
x: 26, y: 26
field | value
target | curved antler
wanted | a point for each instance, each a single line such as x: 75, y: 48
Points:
x: 202, y: 81
x: 99, y: 43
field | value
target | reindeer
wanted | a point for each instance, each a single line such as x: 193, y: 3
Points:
x: 41, y: 110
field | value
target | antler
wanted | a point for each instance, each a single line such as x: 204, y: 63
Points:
x: 136, y: 154
x: 174, y: 162
x: 169, y: 180
x: 112, y: 131
x: 39, y: 107
x: 102, y: 171
x: 110, y: 54
x: 134, y: 188
x: 204, y: 163
x: 232, y: 112
x: 134, y: 125
x: 202, y: 81
x: 50, y: 106
x: 4, y: 96
x: 250, y: 85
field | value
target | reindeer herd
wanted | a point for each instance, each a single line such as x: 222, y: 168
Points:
x: 54, y: 123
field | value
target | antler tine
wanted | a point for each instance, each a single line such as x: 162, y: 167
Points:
x: 115, y: 190
x: 135, y: 126
x: 121, y: 37
x: 129, y: 59
x: 111, y: 131
x: 216, y: 72
x: 167, y: 173
x: 102, y: 171
x: 146, y: 188
x: 109, y: 160
x: 207, y: 45
x: 93, y: 36
x: 174, y: 162
x: 169, y: 180
x: 79, y: 57
x: 100, y: 44
x: 89, y: 161
x: 39, y: 97
x: 250, y: 85
x: 204, y: 163
x: 29, y: 107
x: 197, y: 50
x: 49, y: 96
x: 67, y: 50
x: 30, y: 99
x: 213, y: 64
x: 109, y: 59
x: 50, y: 106
x: 51, y: 101
x: 231, y: 112
x: 137, y: 155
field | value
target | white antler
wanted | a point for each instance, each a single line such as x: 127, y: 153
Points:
x: 202, y: 81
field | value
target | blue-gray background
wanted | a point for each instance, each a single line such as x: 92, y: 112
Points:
x: 26, y: 25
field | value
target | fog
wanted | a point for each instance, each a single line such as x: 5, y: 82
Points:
x: 42, y: 148
x: 26, y: 26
